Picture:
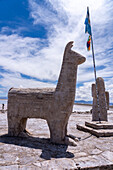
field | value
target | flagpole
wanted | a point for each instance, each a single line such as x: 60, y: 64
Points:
x: 93, y: 58
x: 95, y: 77
x: 95, y: 73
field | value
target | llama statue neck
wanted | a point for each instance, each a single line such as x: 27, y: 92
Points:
x: 68, y: 74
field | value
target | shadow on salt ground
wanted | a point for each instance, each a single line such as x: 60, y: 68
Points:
x: 49, y: 150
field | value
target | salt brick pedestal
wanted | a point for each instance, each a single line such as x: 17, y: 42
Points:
x: 103, y: 129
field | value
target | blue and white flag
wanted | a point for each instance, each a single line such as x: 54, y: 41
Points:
x: 87, y: 23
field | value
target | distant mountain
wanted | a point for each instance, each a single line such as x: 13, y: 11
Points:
x: 87, y: 102
x: 83, y: 102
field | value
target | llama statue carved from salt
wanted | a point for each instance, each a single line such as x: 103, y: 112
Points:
x: 53, y: 105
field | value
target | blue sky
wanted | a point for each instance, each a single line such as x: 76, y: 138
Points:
x: 33, y: 35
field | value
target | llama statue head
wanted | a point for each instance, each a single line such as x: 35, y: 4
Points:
x: 68, y: 73
x: 72, y: 56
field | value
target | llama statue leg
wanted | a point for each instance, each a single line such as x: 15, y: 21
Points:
x: 58, y: 133
x: 13, y: 126
x: 16, y: 125
x: 13, y: 121
x: 23, y: 125
x: 23, y: 132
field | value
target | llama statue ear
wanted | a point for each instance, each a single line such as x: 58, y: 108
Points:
x: 69, y: 45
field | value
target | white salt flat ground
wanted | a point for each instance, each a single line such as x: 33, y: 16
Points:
x: 82, y: 108
x: 37, y: 152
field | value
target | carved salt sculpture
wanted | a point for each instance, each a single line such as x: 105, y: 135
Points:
x: 107, y: 99
x: 95, y: 115
x: 99, y: 112
x: 53, y: 105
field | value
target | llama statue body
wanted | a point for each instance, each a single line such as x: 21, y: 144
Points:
x: 53, y: 105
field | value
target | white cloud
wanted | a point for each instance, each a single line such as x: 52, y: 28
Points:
x: 15, y: 80
x: 24, y: 55
x: 84, y: 92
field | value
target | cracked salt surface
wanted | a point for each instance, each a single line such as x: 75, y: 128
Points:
x: 38, y: 153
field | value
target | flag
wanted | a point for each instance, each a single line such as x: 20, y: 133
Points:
x: 87, y: 23
x: 89, y: 43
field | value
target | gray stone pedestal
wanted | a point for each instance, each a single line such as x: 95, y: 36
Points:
x: 103, y: 129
